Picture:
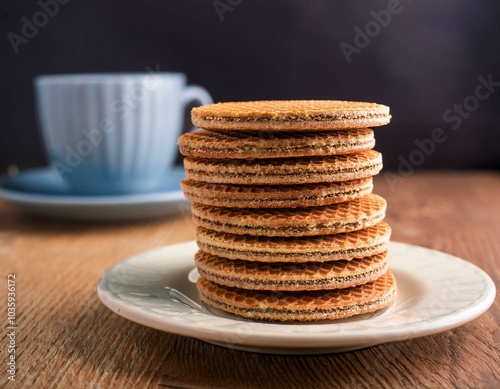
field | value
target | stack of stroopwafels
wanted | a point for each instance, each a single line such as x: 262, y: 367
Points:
x: 287, y: 225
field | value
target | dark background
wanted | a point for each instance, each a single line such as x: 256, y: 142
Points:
x: 427, y: 59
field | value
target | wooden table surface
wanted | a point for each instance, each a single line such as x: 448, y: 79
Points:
x: 67, y: 338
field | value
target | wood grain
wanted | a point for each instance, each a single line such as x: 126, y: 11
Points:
x: 67, y: 338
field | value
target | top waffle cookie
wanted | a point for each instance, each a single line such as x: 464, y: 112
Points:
x: 292, y: 115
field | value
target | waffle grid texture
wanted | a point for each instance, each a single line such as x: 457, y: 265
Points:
x: 369, y: 241
x: 284, y: 171
x: 300, y: 306
x: 336, y: 218
x: 290, y: 276
x: 276, y: 196
x: 269, y: 144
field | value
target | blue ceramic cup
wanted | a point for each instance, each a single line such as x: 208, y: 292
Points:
x: 114, y: 133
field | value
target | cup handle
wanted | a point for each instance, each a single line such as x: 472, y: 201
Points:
x: 191, y: 93
x: 196, y: 93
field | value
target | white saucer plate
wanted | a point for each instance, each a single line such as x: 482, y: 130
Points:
x: 436, y: 292
x: 39, y: 192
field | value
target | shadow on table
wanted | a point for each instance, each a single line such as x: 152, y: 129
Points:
x: 116, y: 347
x: 16, y: 221
x: 201, y: 365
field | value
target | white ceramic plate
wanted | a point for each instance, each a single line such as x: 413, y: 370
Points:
x: 436, y: 292
x: 40, y: 192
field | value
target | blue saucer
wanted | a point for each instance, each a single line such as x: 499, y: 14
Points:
x: 41, y: 192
